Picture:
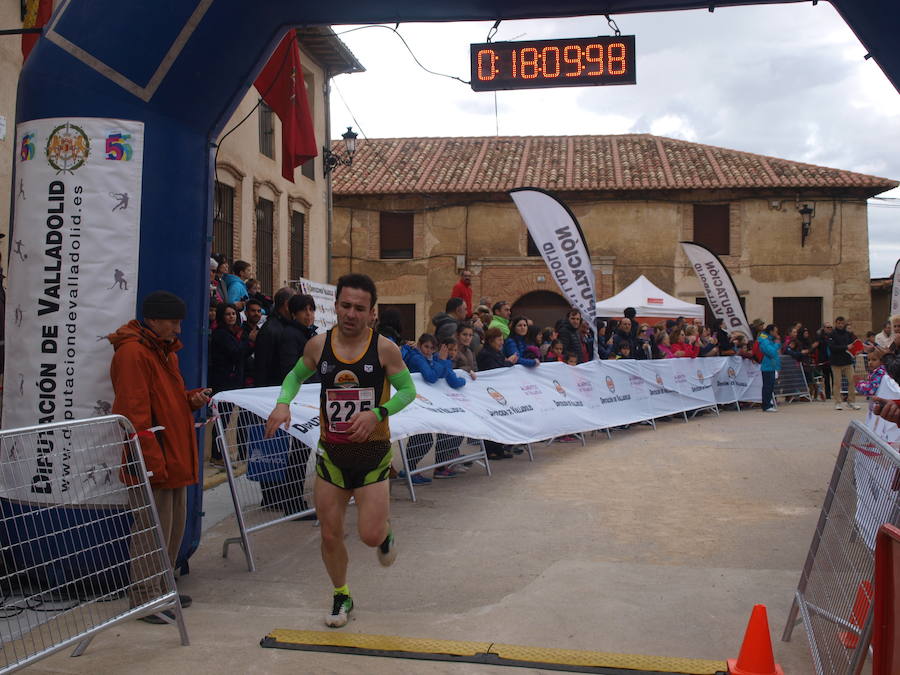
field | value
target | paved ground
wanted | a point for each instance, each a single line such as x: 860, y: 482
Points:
x: 654, y: 542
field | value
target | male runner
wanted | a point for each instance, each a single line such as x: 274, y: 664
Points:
x: 354, y: 454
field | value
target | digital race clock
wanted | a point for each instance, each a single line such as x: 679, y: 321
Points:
x: 553, y: 63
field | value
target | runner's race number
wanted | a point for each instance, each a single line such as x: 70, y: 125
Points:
x: 343, y: 404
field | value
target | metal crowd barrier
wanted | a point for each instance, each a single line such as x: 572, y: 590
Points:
x: 271, y: 479
x: 81, y: 550
x: 791, y: 383
x: 448, y: 452
x: 834, y: 598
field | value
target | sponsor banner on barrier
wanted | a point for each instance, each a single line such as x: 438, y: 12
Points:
x: 74, y: 255
x: 524, y: 405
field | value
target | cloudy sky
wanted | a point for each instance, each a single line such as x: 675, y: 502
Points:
x: 782, y: 80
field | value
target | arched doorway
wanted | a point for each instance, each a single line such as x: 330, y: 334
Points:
x: 545, y: 308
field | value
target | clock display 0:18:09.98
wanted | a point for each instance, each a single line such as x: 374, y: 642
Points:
x: 530, y: 64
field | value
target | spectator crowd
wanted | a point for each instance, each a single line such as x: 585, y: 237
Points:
x: 255, y: 340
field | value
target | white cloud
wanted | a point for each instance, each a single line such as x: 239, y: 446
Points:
x: 786, y: 80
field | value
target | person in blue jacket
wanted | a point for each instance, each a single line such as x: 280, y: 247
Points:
x: 433, y: 367
x: 768, y: 345
x: 236, y: 285
x: 517, y: 344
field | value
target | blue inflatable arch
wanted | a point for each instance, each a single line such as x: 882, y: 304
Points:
x: 182, y: 66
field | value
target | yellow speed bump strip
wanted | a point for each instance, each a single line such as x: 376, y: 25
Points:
x: 487, y: 653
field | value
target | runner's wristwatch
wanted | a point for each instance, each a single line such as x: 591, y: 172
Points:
x: 384, y: 412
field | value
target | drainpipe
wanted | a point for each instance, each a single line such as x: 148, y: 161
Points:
x: 329, y: 201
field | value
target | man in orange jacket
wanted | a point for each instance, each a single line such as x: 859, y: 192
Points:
x: 150, y: 392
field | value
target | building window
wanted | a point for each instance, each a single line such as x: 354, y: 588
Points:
x: 407, y: 318
x: 531, y: 248
x: 223, y: 221
x: 788, y: 311
x: 266, y: 130
x: 396, y: 235
x: 265, y: 231
x: 712, y: 227
x: 295, y: 245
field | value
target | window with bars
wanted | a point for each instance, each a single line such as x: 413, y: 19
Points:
x: 396, y: 235
x: 223, y: 221
x: 712, y: 227
x: 266, y: 130
x: 265, y: 235
x: 298, y: 222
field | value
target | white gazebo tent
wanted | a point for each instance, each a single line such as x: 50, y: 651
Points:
x: 648, y: 301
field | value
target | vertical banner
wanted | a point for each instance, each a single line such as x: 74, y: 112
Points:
x: 559, y: 238
x: 324, y: 295
x: 722, y: 296
x: 74, y: 255
x: 895, y: 291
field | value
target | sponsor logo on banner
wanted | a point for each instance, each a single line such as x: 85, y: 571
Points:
x: 680, y: 378
x: 306, y: 426
x: 26, y: 152
x: 68, y: 148
x: 584, y: 386
x: 662, y: 387
x: 530, y: 389
x: 559, y: 387
x: 702, y: 385
x: 731, y: 373
x: 419, y: 397
x: 654, y: 301
x: 456, y: 396
x: 74, y: 267
x: 496, y: 395
x: 118, y: 148
x: 610, y: 384
x: 635, y: 381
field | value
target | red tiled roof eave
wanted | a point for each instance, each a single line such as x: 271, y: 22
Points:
x: 615, y: 163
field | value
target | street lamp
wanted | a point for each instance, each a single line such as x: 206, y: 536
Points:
x: 807, y: 213
x: 331, y: 160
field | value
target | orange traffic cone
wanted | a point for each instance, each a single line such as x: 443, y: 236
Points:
x: 756, y: 657
x: 861, y: 605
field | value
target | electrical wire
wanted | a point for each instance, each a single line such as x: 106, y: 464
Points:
x: 409, y: 49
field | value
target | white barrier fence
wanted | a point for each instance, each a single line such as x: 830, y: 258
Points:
x: 523, y: 405
x: 81, y: 549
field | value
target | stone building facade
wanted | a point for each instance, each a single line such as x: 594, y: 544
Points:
x: 413, y: 212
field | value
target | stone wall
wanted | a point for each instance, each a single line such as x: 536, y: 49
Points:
x: 626, y: 237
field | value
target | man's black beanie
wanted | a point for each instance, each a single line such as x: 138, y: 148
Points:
x: 163, y: 305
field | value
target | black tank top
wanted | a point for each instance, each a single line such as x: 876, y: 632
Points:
x: 349, y: 387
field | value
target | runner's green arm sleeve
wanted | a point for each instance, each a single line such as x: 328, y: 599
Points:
x: 292, y: 381
x: 406, y: 393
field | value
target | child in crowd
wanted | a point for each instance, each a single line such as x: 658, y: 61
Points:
x: 878, y: 362
x: 624, y: 351
x: 429, y: 360
x: 572, y: 359
x: 555, y: 353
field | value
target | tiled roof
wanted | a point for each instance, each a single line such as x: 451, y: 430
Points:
x: 574, y: 163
